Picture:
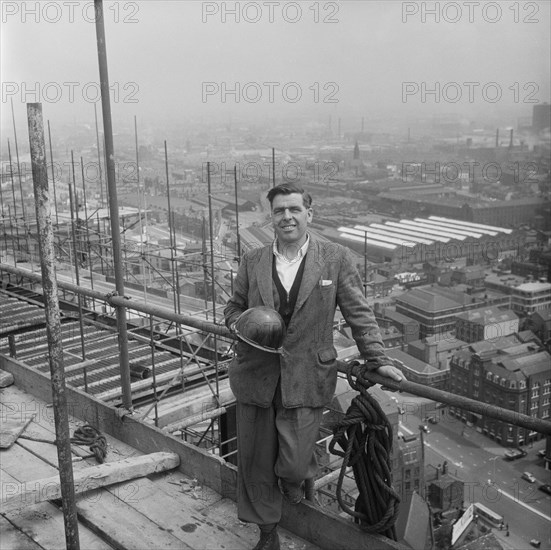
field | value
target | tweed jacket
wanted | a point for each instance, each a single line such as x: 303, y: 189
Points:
x: 308, y: 365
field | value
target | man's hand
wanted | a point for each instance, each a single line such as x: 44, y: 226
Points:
x: 390, y: 371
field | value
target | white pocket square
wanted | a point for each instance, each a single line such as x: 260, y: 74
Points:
x: 326, y: 282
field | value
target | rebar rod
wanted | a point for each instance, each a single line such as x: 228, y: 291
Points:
x: 73, y: 202
x: 88, y: 245
x: 17, y: 157
x: 213, y: 285
x: 100, y: 171
x: 53, y: 174
x: 236, y: 219
x: 14, y: 203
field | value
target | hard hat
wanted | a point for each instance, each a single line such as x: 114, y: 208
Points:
x: 261, y: 327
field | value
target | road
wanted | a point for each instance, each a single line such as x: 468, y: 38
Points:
x: 489, y: 479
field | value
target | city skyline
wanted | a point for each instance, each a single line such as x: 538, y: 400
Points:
x: 269, y: 61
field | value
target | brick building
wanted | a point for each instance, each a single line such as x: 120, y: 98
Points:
x: 513, y: 376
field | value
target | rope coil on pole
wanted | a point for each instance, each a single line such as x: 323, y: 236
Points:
x: 365, y: 437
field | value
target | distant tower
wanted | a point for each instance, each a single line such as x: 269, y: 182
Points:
x: 541, y: 117
x: 356, y: 162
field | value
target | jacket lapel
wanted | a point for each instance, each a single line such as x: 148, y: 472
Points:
x: 264, y: 276
x: 312, y: 273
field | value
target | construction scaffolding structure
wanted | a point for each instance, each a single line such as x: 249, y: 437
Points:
x: 175, y: 268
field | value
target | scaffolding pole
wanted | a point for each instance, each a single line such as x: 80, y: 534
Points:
x: 113, y: 204
x: 53, y: 321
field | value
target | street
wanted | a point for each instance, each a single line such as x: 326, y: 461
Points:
x: 488, y: 477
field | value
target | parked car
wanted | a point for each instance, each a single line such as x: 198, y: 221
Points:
x: 545, y: 488
x: 513, y: 454
x: 535, y: 543
x: 541, y: 453
x: 433, y: 420
x: 528, y: 477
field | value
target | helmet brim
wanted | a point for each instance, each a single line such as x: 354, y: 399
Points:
x: 258, y: 346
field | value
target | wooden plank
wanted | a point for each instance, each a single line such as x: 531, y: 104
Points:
x: 122, y: 526
x: 44, y: 525
x: 224, y: 513
x: 10, y: 430
x: 6, y: 379
x: 16, y: 460
x: 107, y: 520
x: 326, y: 529
x: 14, y: 539
x: 22, y: 404
x: 194, y: 461
x: 182, y: 508
x: 88, y: 479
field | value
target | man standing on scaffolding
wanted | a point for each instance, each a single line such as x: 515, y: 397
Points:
x: 285, y: 366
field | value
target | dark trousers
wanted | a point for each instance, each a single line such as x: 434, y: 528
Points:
x: 273, y: 443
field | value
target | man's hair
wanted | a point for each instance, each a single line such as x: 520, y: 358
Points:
x: 289, y: 189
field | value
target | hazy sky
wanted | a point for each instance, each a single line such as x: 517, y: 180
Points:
x: 182, y: 58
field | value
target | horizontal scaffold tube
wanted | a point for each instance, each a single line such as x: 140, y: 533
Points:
x: 485, y: 409
x: 353, y: 368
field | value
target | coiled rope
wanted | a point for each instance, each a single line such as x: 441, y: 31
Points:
x: 365, y: 437
x: 88, y: 435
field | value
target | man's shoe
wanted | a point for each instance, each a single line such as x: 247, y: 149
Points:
x: 292, y: 492
x: 309, y: 489
x: 269, y: 540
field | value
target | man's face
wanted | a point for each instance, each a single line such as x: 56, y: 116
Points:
x: 290, y: 218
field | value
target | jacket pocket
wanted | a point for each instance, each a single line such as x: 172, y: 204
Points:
x: 327, y: 355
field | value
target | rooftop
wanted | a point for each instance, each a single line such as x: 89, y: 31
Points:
x: 444, y: 342
x: 487, y: 315
x: 412, y: 362
x: 398, y: 317
x: 434, y: 299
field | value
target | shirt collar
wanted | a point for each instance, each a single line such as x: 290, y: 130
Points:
x: 301, y: 253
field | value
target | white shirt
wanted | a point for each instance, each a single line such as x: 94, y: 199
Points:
x: 287, y: 269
